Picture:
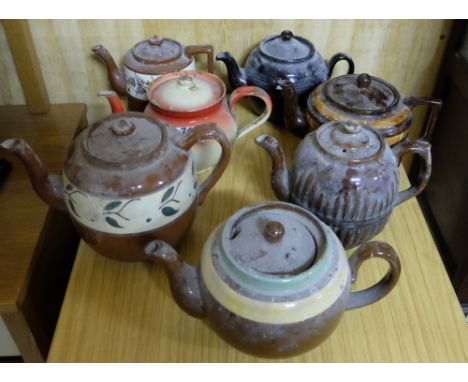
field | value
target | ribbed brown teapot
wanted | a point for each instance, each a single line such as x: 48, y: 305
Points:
x: 346, y: 174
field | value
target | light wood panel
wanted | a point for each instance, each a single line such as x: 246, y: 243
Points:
x: 116, y: 311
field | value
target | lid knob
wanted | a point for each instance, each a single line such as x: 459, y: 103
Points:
x: 273, y: 231
x: 286, y: 35
x: 156, y: 40
x: 186, y: 82
x: 123, y: 128
x: 364, y: 80
x: 351, y: 127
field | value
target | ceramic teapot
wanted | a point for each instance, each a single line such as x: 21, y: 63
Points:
x: 186, y: 99
x: 147, y: 60
x: 363, y: 98
x: 347, y: 175
x: 283, y: 56
x: 127, y: 179
x: 273, y: 280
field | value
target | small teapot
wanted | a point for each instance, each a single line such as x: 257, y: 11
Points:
x: 147, y: 60
x: 189, y: 98
x: 273, y: 281
x: 127, y: 179
x: 283, y: 56
x: 347, y: 175
x: 363, y: 98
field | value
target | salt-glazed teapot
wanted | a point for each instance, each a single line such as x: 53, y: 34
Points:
x: 127, y: 179
x: 347, y: 175
x: 283, y: 56
x: 273, y: 280
x: 186, y: 99
x: 147, y: 60
x: 362, y: 97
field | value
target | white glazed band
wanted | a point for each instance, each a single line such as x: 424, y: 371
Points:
x: 137, y: 83
x: 272, y: 312
x: 133, y: 215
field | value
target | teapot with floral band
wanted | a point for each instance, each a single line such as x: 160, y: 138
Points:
x: 127, y: 179
x: 273, y: 280
x: 147, y: 60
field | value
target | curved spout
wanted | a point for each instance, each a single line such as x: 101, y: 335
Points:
x: 279, y: 172
x: 183, y: 278
x: 49, y: 187
x: 114, y: 100
x: 116, y: 77
x: 294, y: 119
x: 236, y: 75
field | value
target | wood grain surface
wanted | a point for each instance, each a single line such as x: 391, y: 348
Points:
x: 116, y: 311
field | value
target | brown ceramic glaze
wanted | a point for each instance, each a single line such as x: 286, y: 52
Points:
x: 147, y: 60
x: 250, y: 288
x: 127, y: 179
x: 362, y: 97
x: 347, y: 175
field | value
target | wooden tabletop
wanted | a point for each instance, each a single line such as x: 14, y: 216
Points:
x: 116, y: 311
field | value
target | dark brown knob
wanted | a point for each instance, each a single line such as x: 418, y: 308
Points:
x: 273, y: 232
x: 156, y: 40
x: 364, y: 80
x: 286, y: 35
x: 122, y: 128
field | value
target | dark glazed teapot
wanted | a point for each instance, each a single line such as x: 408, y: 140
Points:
x: 284, y: 56
x: 147, y: 60
x: 127, y: 179
x: 273, y: 280
x: 363, y: 98
x: 347, y: 175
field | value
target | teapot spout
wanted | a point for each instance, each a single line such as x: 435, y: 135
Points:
x: 183, y: 278
x: 116, y: 77
x: 114, y: 100
x: 294, y: 119
x: 236, y: 75
x: 48, y: 187
x: 279, y: 172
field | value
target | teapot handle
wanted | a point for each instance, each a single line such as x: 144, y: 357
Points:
x: 339, y: 57
x: 385, y: 285
x: 251, y: 91
x: 202, y: 49
x: 423, y: 149
x: 434, y: 104
x: 201, y: 133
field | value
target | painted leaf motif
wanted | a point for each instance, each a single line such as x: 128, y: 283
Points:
x: 167, y: 194
x: 113, y: 222
x: 112, y: 205
x: 169, y: 211
x: 72, y: 207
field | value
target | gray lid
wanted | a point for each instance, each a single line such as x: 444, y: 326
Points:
x: 349, y: 140
x: 287, y: 47
x: 272, y: 240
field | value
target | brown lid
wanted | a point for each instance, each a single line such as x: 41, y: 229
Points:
x: 287, y: 47
x: 187, y: 91
x: 273, y: 239
x: 360, y: 94
x: 350, y: 140
x: 157, y: 55
x: 124, y: 154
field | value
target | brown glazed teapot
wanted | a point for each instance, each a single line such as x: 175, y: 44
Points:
x: 347, y: 175
x: 273, y: 280
x: 363, y: 98
x: 147, y: 60
x: 127, y: 179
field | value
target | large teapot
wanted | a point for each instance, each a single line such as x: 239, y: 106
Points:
x: 273, y: 280
x: 127, y: 179
x: 147, y: 60
x: 347, y: 175
x: 283, y: 56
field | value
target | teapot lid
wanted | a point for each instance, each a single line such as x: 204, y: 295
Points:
x: 287, y: 48
x: 361, y: 94
x: 271, y: 239
x: 186, y: 92
x: 350, y: 140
